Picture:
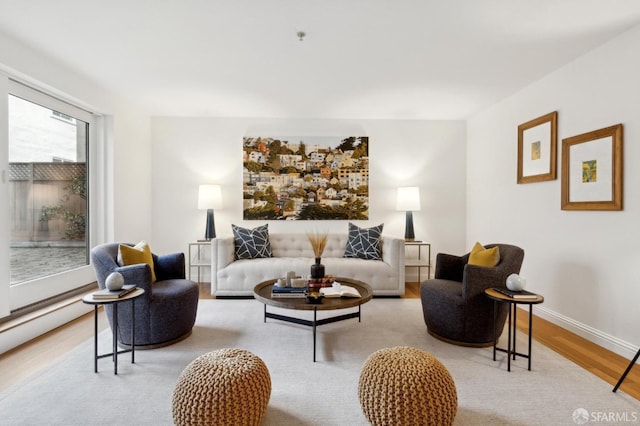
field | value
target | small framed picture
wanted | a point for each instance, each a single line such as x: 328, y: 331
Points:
x: 592, y: 170
x: 537, y: 149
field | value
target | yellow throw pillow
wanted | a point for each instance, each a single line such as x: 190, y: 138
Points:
x: 140, y: 253
x: 484, y: 257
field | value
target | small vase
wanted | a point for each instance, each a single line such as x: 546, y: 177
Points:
x: 317, y: 269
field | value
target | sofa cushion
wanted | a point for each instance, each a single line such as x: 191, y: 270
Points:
x: 364, y: 243
x: 251, y: 243
x: 484, y: 257
x: 140, y: 253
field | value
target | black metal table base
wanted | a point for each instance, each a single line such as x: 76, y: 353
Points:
x: 312, y: 323
x: 115, y: 352
x: 511, y: 335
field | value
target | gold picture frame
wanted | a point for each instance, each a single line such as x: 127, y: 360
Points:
x: 592, y: 170
x: 537, y: 149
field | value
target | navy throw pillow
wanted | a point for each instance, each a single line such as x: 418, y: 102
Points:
x: 364, y: 243
x: 251, y: 243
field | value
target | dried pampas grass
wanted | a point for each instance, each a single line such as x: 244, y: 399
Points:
x: 318, y: 242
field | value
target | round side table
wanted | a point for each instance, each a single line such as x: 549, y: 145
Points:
x: 90, y: 300
x: 511, y: 340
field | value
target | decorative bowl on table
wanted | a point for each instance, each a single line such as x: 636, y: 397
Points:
x: 314, y: 297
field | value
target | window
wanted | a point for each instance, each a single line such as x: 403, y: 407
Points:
x: 48, y: 183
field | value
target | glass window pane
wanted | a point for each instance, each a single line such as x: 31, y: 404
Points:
x: 47, y: 190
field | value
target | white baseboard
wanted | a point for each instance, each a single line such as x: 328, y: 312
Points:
x: 612, y: 343
x: 15, y: 336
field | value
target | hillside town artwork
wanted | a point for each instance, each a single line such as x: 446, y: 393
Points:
x: 306, y: 178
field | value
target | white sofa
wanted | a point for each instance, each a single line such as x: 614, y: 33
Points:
x: 293, y: 252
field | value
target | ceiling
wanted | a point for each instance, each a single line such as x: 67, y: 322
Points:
x: 360, y: 59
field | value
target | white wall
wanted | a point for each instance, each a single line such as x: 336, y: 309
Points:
x: 132, y: 183
x: 583, y: 262
x: 5, y: 225
x: 189, y: 151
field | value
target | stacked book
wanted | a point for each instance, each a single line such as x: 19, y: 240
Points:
x: 292, y: 292
x: 522, y: 294
x: 114, y: 294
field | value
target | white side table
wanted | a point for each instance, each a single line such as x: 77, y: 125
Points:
x: 199, y: 256
x: 422, y: 260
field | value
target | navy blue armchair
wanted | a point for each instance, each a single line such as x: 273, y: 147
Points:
x: 165, y: 314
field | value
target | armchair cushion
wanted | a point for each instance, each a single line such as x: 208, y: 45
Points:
x: 251, y: 243
x: 169, y: 266
x: 484, y: 256
x: 138, y: 274
x: 450, y: 267
x: 364, y: 243
x: 140, y: 253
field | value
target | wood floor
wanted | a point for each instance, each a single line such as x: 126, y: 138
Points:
x: 30, y: 357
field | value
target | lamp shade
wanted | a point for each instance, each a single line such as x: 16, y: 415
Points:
x: 408, y: 198
x: 209, y: 197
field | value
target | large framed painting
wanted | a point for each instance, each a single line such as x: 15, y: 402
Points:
x: 592, y: 170
x: 537, y: 150
x: 305, y: 178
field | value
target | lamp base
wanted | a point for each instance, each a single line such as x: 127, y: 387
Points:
x: 210, y: 230
x: 409, y: 235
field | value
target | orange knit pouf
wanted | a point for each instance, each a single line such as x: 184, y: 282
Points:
x: 224, y: 387
x: 406, y: 386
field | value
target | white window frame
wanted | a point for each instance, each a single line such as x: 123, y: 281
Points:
x: 5, y: 234
x: 38, y: 289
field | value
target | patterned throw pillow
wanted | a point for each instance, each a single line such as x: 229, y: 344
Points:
x: 251, y: 243
x: 364, y: 243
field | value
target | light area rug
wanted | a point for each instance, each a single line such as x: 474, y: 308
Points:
x: 304, y: 392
